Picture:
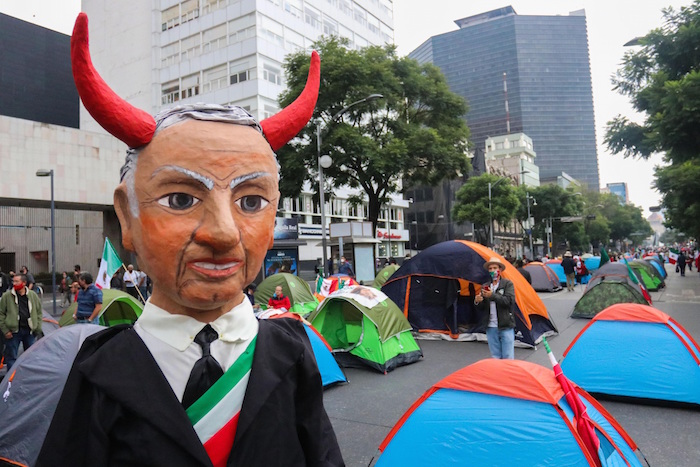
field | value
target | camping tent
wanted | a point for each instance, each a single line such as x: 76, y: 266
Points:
x: 30, y: 399
x: 636, y: 351
x: 48, y: 323
x: 117, y: 308
x: 609, y: 285
x: 362, y: 325
x: 384, y: 275
x: 650, y: 276
x: 543, y: 278
x: 555, y: 265
x: 436, y: 289
x: 592, y: 263
x: 502, y: 412
x: 658, y: 265
x: 330, y: 371
x: 299, y: 293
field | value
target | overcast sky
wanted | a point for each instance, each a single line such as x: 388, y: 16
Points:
x: 610, y: 25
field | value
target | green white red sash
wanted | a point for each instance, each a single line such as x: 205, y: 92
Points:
x: 215, y: 414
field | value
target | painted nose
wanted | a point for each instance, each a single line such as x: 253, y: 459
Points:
x: 218, y: 228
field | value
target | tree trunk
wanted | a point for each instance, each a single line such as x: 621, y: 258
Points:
x: 375, y: 207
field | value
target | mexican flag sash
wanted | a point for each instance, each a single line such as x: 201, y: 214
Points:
x: 215, y: 414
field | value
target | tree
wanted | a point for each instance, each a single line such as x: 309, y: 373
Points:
x: 662, y: 79
x: 472, y: 202
x: 415, y: 135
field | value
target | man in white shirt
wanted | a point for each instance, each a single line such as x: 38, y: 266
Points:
x: 197, y: 204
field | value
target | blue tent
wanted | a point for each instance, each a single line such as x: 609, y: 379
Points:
x: 592, y: 263
x: 502, y: 412
x: 555, y: 265
x: 656, y: 263
x: 635, y: 351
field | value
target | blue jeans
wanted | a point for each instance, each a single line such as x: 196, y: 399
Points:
x: 25, y: 336
x: 501, y: 342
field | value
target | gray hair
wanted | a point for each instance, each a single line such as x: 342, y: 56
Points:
x: 173, y: 116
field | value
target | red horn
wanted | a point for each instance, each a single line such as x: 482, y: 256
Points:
x: 126, y: 122
x: 285, y: 125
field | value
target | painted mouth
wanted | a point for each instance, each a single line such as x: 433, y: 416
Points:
x: 215, y: 268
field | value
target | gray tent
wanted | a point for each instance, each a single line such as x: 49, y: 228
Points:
x: 28, y: 402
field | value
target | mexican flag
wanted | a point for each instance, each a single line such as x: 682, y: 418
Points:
x: 672, y: 255
x: 604, y: 258
x: 108, y: 266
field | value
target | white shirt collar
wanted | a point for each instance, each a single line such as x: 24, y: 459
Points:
x: 178, y: 331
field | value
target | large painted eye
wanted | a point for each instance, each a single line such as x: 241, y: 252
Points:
x: 252, y: 203
x: 178, y: 201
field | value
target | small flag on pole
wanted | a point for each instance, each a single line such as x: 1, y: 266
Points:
x: 108, y: 266
x: 582, y: 422
x: 641, y: 285
x: 604, y: 258
x: 672, y: 256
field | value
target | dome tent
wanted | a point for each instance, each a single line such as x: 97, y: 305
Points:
x: 609, y: 285
x: 635, y: 351
x: 117, y: 308
x: 436, y: 289
x: 364, y: 327
x: 302, y: 300
x: 543, y: 278
x: 384, y: 275
x: 502, y: 412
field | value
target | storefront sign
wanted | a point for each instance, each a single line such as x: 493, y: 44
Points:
x: 286, y: 229
x: 281, y: 260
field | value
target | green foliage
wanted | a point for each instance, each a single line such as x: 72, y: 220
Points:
x: 662, y: 79
x: 415, y: 135
x: 472, y: 201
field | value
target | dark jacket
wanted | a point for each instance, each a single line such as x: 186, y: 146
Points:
x: 504, y: 296
x: 117, y: 408
x: 568, y: 264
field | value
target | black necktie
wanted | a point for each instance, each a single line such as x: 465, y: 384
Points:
x: 205, y: 372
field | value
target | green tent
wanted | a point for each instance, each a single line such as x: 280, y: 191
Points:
x: 384, y: 275
x: 363, y: 326
x: 601, y: 295
x: 117, y: 308
x: 646, y: 271
x: 299, y: 293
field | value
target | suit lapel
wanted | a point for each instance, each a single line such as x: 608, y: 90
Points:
x: 275, y: 352
x: 127, y: 372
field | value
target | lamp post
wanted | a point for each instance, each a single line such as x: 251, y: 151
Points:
x: 529, y: 224
x: 491, y: 212
x: 325, y: 162
x: 49, y: 173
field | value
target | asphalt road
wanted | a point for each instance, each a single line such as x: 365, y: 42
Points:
x: 364, y: 410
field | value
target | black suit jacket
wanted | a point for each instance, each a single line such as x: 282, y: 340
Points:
x: 117, y: 408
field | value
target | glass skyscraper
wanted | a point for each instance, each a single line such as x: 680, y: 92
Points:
x: 545, y: 62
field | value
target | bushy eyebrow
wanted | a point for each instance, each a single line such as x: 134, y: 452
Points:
x: 244, y: 178
x: 203, y: 179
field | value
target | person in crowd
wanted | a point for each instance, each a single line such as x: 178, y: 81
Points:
x: 520, y: 265
x: 142, y: 285
x: 5, y: 282
x: 208, y: 383
x: 279, y: 300
x: 89, y: 300
x: 74, y: 289
x: 580, y: 269
x: 117, y: 281
x: 31, y: 283
x: 346, y: 267
x: 567, y: 263
x: 131, y: 281
x: 250, y: 293
x: 681, y: 263
x: 495, y: 301
x: 20, y: 318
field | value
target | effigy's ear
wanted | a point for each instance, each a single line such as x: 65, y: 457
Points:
x: 126, y: 220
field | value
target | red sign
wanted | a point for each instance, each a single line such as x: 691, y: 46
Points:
x: 387, y: 235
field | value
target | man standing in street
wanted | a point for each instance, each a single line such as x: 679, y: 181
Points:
x: 570, y: 270
x: 345, y: 267
x: 131, y: 281
x: 89, y: 300
x: 498, y: 297
x: 20, y: 318
x: 30, y: 279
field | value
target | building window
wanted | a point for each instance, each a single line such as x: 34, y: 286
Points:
x: 269, y: 111
x: 215, y: 78
x: 240, y: 71
x: 272, y: 74
x: 170, y: 18
x: 330, y: 26
x: 214, y: 38
x: 190, y: 10
x: 77, y: 234
x: 360, y: 15
x: 312, y: 17
x: 212, y: 5
x: 373, y: 24
x: 170, y: 54
x: 345, y: 6
x: 294, y: 7
x: 190, y: 86
x: 241, y: 28
x: 190, y: 47
x: 272, y: 30
x: 170, y: 92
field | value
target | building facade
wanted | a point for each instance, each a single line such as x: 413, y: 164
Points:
x: 540, y: 66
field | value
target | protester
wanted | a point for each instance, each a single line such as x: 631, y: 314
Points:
x: 116, y: 282
x: 89, y: 300
x: 5, y: 282
x: 580, y: 269
x: 131, y: 281
x: 496, y: 300
x: 520, y: 265
x: 680, y: 263
x: 142, y: 285
x: 279, y: 300
x: 197, y: 204
x: 20, y: 318
x: 31, y: 283
x: 250, y: 293
x: 345, y: 267
x: 567, y: 263
x: 74, y: 289
x: 64, y: 288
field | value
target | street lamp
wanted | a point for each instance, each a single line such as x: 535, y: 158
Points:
x: 500, y: 180
x: 49, y: 173
x: 325, y: 162
x: 529, y: 224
